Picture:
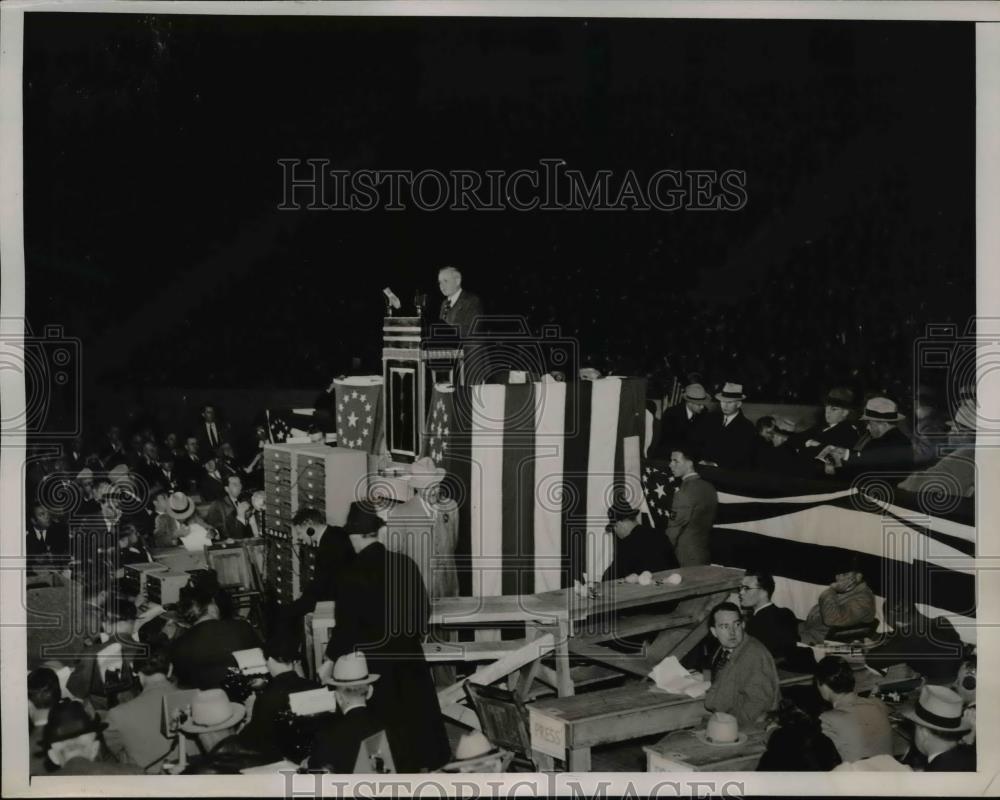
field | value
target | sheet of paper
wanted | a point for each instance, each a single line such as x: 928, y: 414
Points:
x: 313, y: 701
x: 251, y: 661
x: 670, y: 676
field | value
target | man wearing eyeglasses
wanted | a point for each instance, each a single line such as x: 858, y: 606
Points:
x: 744, y: 678
x: 775, y: 627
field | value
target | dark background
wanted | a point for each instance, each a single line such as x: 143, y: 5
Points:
x: 151, y: 187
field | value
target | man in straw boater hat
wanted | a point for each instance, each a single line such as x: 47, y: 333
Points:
x: 730, y: 438
x: 335, y: 747
x: 883, y: 448
x: 683, y: 423
x: 383, y: 611
x: 941, y: 724
x: 213, y: 718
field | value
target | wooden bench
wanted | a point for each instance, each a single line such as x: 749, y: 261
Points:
x: 566, y: 728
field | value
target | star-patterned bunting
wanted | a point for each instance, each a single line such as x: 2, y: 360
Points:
x: 440, y: 424
x: 659, y: 492
x: 358, y: 416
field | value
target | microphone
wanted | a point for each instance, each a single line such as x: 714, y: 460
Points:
x: 391, y: 298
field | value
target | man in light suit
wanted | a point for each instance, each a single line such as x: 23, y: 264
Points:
x: 133, y: 733
x: 461, y: 308
x: 425, y: 528
x: 693, y: 511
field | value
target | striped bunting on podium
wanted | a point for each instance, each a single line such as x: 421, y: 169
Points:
x: 533, y: 468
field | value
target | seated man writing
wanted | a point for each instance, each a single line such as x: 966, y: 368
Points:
x: 637, y: 547
x: 744, y: 678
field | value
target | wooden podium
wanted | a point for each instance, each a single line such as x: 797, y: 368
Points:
x: 415, y: 357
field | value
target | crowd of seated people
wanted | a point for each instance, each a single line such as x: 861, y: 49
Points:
x: 853, y: 438
x: 99, y: 711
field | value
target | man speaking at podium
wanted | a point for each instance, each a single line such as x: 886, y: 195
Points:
x: 460, y: 309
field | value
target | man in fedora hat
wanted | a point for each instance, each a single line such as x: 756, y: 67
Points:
x: 637, y: 547
x: 730, y: 438
x: 940, y: 726
x: 213, y: 718
x: 884, y: 448
x: 382, y: 610
x: 684, y: 423
x: 166, y: 529
x: 73, y: 743
x: 335, y: 747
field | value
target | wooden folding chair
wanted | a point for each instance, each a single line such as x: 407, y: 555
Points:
x: 504, y: 721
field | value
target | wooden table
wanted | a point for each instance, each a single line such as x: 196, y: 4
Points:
x: 561, y: 623
x: 683, y: 751
x: 565, y: 728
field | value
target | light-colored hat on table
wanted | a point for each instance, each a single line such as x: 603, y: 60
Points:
x: 722, y: 729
